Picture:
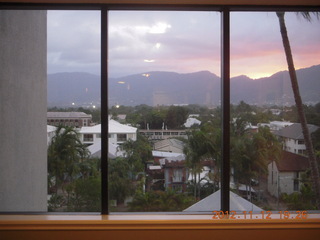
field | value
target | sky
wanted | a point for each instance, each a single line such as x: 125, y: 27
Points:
x: 183, y: 42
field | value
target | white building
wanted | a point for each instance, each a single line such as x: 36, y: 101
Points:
x: 118, y: 134
x: 283, y: 177
x: 292, y: 137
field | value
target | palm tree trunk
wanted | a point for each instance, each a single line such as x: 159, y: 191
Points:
x: 295, y: 87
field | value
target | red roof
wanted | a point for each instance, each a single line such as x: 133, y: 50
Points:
x: 291, y: 162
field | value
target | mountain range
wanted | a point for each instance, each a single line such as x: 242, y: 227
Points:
x: 166, y: 88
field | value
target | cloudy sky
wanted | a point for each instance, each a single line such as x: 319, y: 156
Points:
x: 181, y: 42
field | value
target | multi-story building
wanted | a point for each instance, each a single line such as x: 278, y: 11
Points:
x: 118, y: 134
x: 72, y: 119
x: 292, y: 137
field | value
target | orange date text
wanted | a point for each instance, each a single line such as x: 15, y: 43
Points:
x: 263, y: 215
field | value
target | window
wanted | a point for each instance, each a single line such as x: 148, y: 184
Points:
x: 121, y: 137
x: 160, y: 98
x: 296, y: 182
x: 88, y: 137
x: 163, y: 66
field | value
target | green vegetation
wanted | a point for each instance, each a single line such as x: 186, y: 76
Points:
x: 159, y: 201
x: 74, y: 178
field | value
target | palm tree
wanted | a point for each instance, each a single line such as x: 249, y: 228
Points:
x: 295, y: 87
x: 65, y: 153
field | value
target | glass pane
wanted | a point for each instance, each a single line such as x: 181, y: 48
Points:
x: 270, y: 165
x: 164, y: 106
x: 73, y: 116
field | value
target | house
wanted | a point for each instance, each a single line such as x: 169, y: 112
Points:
x: 90, y: 135
x: 169, y: 145
x: 118, y: 133
x: 157, y: 155
x: 292, y: 137
x: 72, y: 119
x: 175, y: 173
x: 283, y: 176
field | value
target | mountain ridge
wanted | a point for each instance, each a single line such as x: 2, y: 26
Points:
x: 166, y: 88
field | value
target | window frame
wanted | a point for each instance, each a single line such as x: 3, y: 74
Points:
x: 225, y: 11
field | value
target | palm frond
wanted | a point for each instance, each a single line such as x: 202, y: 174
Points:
x: 308, y: 15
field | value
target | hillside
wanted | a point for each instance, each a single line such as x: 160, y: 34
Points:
x: 166, y: 88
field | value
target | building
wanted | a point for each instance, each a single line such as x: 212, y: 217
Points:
x: 278, y: 125
x: 72, y: 119
x: 283, y: 177
x: 90, y: 135
x: 292, y: 137
x: 157, y: 155
x: 175, y: 173
x: 160, y: 134
x: 169, y: 145
x: 118, y: 134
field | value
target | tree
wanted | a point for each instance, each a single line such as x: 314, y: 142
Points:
x: 296, y: 92
x: 119, y: 179
x: 251, y: 154
x: 65, y: 152
x: 138, y: 153
x: 176, y: 117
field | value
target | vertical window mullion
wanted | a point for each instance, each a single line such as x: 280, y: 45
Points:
x: 225, y: 95
x: 104, y: 111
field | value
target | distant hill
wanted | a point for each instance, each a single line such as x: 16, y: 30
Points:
x: 166, y: 88
x: 76, y: 87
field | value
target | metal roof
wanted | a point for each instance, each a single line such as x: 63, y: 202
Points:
x: 294, y: 131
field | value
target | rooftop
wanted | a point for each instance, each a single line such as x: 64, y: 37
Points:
x: 294, y: 131
x: 291, y: 162
x: 169, y: 142
x: 212, y: 202
x: 68, y: 115
x: 164, y: 154
x: 114, y: 127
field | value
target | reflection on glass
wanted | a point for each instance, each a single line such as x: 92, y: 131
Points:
x: 164, y: 106
x: 270, y: 165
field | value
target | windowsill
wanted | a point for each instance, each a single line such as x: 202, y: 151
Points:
x: 153, y: 221
x: 154, y: 227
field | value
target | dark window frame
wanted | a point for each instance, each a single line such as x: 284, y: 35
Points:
x: 225, y: 11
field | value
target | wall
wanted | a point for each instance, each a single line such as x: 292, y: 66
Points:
x: 23, y: 100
